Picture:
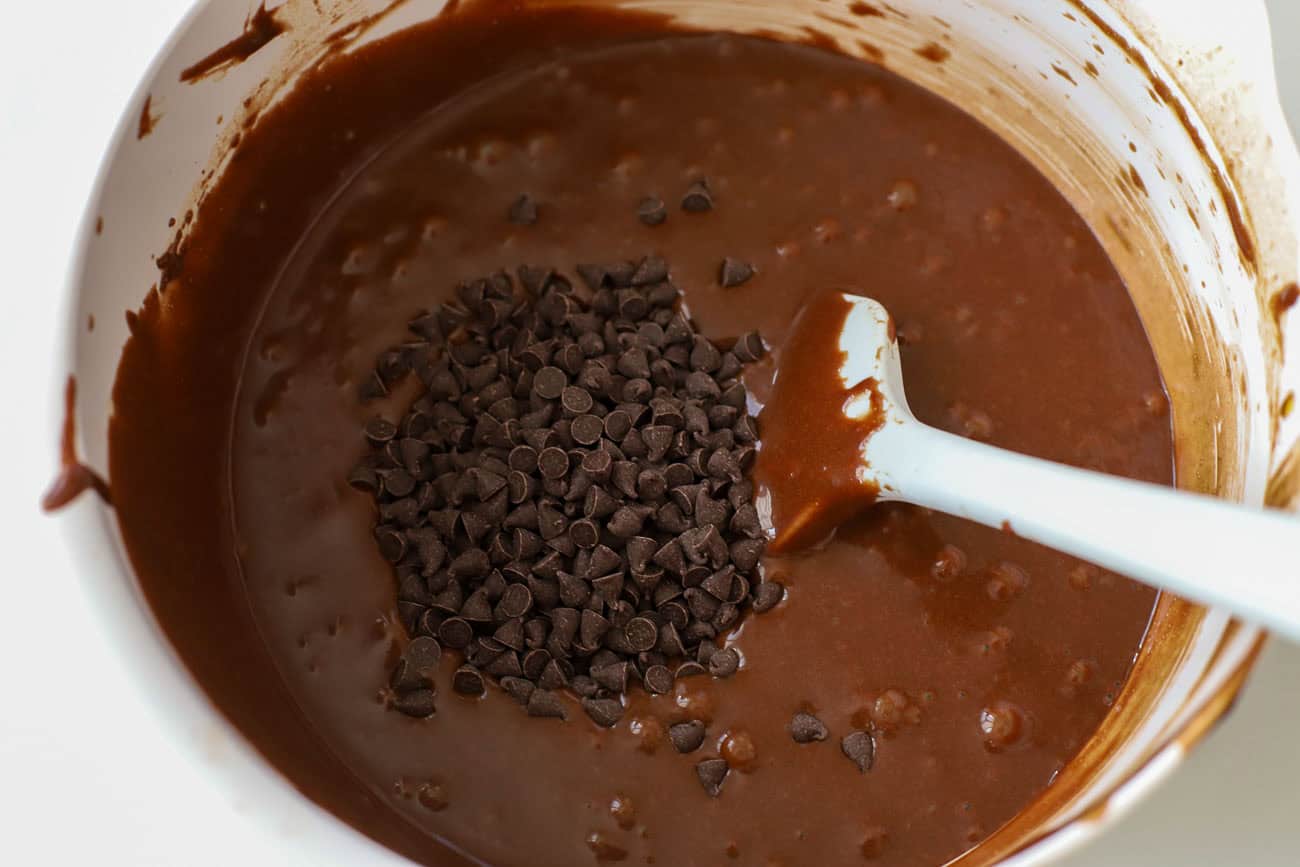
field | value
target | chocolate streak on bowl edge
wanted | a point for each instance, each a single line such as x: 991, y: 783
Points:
x: 74, y: 477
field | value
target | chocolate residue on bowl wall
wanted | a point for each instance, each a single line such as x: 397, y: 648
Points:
x: 1284, y: 300
x: 74, y: 477
x: 1163, y: 93
x: 148, y: 120
x: 260, y: 28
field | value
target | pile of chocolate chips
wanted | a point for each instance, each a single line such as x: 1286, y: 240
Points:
x: 566, y: 503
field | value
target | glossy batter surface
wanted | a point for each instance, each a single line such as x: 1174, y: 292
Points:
x: 981, y: 661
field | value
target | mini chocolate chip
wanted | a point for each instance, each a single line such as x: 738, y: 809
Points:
x: 702, y: 605
x: 364, y: 479
x: 698, y: 198
x: 806, y: 728
x: 523, y: 211
x: 515, y: 602
x: 652, y: 211
x: 609, y: 587
x: 584, y: 533
x: 477, y: 608
x: 573, y: 590
x: 651, y: 333
x: 584, y: 687
x: 632, y: 305
x: 592, y: 628
x: 613, y: 677
x: 586, y: 429
x: 604, y: 712
x: 422, y: 655
x: 768, y: 595
x: 545, y: 703
x: 634, y: 364
x: 670, y: 641
x: 518, y: 688
x: 734, y: 272
x: 380, y: 430
x: 641, y: 633
x: 704, y: 355
x: 719, y: 584
x: 617, y: 425
x: 599, y: 503
x: 511, y: 633
x: 472, y: 563
x: 570, y: 358
x: 689, y: 669
x: 626, y: 522
x: 658, y: 679
x: 726, y: 617
x: 597, y: 463
x: 418, y: 704
x: 467, y: 681
x: 604, y: 561
x: 506, y: 664
x: 860, y: 748
x: 552, y: 675
x: 455, y: 633
x: 392, y: 544
x: 536, y: 659
x: 750, y: 347
x: 651, y: 269
x: 553, y: 463
x: 549, y: 382
x: 724, y: 663
x: 687, y: 737
x: 712, y: 774
x: 523, y: 458
x: 576, y: 400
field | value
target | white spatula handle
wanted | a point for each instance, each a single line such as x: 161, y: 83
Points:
x: 1215, y: 552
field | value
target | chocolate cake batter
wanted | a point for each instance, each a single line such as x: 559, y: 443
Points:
x: 981, y: 662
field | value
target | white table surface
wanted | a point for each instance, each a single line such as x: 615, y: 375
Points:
x: 87, y: 775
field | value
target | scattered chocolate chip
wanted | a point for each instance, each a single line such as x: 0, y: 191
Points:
x: 724, y: 663
x: 380, y: 430
x: 687, y: 736
x: 612, y: 676
x: 658, y: 679
x: 604, y: 712
x: 467, y: 681
x: 712, y: 774
x: 523, y: 211
x: 545, y: 703
x: 422, y: 655
x: 859, y: 748
x: 768, y: 595
x: 698, y: 198
x: 749, y: 347
x: 806, y: 728
x: 734, y: 272
x: 652, y: 211
x: 518, y: 688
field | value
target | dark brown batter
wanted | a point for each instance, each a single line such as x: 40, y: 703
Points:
x: 982, y: 661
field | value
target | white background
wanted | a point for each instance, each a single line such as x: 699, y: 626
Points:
x: 86, y: 774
